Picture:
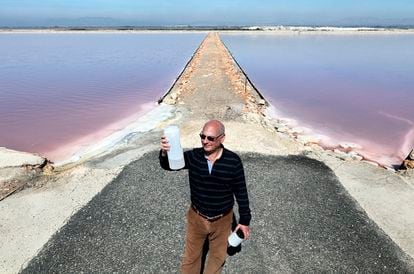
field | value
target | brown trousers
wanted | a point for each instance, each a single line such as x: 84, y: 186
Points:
x: 198, y: 229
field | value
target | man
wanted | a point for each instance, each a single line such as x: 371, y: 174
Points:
x: 216, y: 176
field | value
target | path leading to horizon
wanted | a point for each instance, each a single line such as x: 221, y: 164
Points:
x: 213, y: 86
x: 303, y: 222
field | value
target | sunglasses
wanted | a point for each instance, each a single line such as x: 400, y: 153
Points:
x: 210, y: 138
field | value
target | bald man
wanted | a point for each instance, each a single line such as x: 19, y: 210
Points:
x: 216, y: 176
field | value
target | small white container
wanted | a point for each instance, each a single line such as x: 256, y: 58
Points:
x: 175, y: 154
x: 236, y: 238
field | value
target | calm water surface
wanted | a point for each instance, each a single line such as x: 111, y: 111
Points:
x: 57, y: 87
x: 349, y: 88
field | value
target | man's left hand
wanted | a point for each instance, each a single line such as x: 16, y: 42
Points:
x: 245, y: 229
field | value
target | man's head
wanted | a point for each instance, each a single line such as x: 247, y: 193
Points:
x: 212, y: 136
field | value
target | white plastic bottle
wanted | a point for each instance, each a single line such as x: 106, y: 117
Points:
x: 234, y: 241
x: 236, y: 238
x: 175, y: 154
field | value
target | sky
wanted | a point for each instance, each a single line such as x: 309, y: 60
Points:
x: 15, y: 13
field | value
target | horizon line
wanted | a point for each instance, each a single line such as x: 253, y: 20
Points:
x: 209, y: 27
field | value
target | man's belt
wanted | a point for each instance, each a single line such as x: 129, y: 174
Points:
x: 211, y: 219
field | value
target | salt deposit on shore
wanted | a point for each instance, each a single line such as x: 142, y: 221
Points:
x: 102, y: 141
x: 357, y: 149
x: 112, y: 135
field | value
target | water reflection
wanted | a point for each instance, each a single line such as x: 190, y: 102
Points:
x: 58, y: 87
x: 350, y: 88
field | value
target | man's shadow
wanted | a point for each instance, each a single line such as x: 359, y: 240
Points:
x: 206, y: 246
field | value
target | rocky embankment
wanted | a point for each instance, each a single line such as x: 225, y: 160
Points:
x: 408, y: 163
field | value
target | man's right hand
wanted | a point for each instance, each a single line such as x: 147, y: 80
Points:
x: 165, y: 146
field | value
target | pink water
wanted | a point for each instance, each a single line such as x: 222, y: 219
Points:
x: 56, y: 88
x: 349, y: 88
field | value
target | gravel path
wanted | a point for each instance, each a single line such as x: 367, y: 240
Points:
x: 213, y: 86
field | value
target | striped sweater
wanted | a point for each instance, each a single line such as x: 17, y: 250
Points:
x: 213, y: 194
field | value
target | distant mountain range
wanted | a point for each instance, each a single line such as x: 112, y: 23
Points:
x: 105, y: 22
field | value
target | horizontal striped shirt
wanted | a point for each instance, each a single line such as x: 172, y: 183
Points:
x: 213, y: 193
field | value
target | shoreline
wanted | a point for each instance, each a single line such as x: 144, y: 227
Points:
x: 86, y: 147
x: 273, y: 30
x: 109, y: 136
x: 115, y: 134
x: 357, y: 149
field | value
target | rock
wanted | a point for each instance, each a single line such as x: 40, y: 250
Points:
x: 308, y: 139
x: 349, y: 145
x: 340, y: 154
x: 253, y: 117
x: 285, y: 122
x: 390, y: 169
x: 8, y: 187
x: 261, y: 102
x: 250, y: 105
x: 11, y: 173
x: 408, y: 163
x: 12, y: 158
x: 316, y: 147
x: 306, y: 150
x: 370, y: 162
x: 296, y: 130
x: 282, y: 129
x: 276, y: 123
x: 48, y: 169
x: 355, y: 156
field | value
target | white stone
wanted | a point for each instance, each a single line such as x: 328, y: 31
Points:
x: 354, y: 155
x: 370, y: 162
x: 282, y: 129
x: 390, y: 169
x: 308, y: 139
x: 254, y: 117
x: 341, y: 154
x: 347, y: 145
x: 275, y: 123
x: 10, y: 173
x: 12, y: 158
x: 296, y: 130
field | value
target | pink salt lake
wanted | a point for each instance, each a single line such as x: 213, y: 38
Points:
x: 57, y: 88
x: 348, y: 88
